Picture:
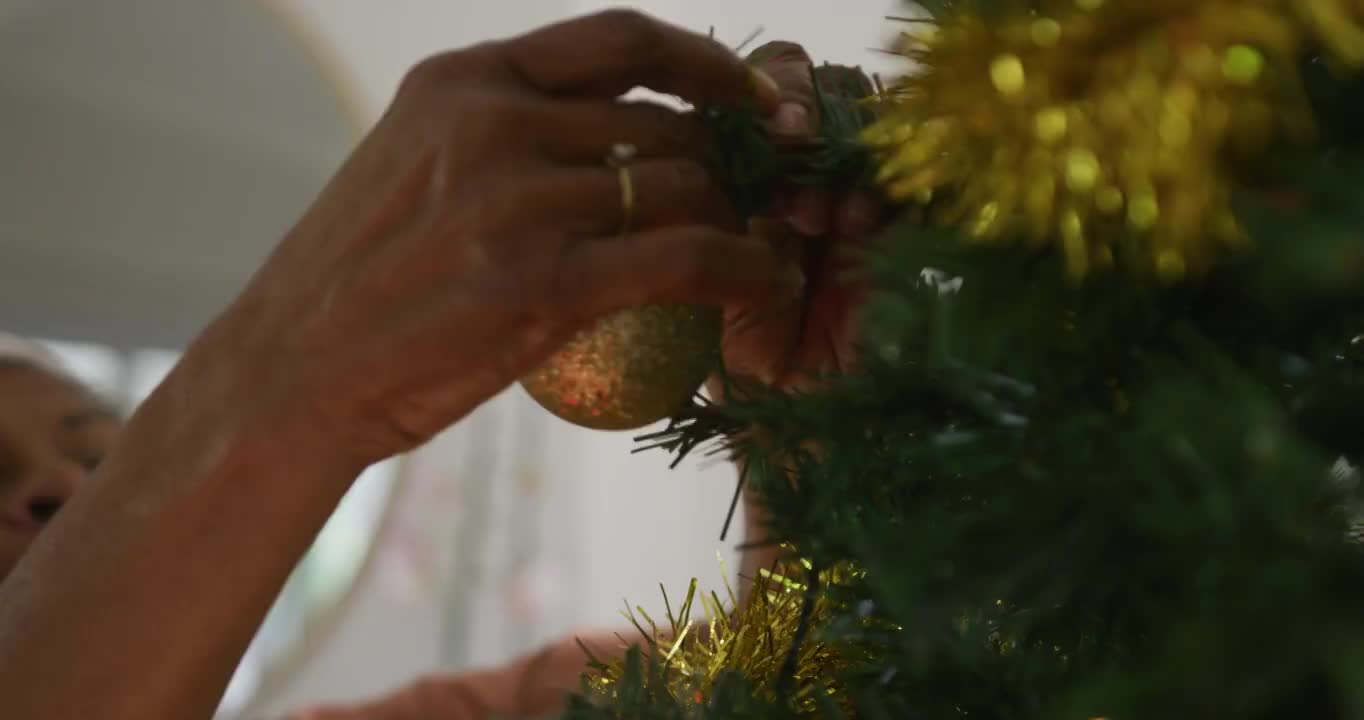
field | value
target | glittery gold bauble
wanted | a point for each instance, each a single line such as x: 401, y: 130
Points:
x: 630, y: 369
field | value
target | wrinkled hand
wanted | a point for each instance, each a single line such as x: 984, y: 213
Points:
x: 477, y: 227
x: 783, y: 345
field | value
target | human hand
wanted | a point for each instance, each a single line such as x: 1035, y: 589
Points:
x: 477, y: 227
x: 786, y: 344
x: 533, y: 685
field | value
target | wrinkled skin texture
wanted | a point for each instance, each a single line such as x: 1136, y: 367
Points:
x: 777, y: 342
x: 404, y: 297
x: 784, y: 344
x: 790, y: 343
x: 473, y: 230
x: 52, y: 436
x: 411, y: 294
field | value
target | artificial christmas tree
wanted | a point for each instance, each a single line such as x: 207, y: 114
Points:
x: 1096, y: 458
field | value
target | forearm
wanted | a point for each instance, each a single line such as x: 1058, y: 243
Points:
x: 139, y: 599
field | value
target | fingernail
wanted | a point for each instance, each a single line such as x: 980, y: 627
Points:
x: 766, y: 90
x: 792, y: 119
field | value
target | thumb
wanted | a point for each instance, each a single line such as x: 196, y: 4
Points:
x: 789, y: 65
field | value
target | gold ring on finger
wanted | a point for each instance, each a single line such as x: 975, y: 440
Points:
x: 619, y: 158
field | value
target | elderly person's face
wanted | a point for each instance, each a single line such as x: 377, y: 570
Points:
x: 52, y: 435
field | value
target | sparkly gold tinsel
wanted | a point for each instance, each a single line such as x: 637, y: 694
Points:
x: 752, y: 642
x: 1101, y: 125
x: 630, y: 369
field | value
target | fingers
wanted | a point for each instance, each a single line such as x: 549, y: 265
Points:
x: 814, y: 213
x: 796, y: 120
x: 609, y: 53
x: 759, y: 339
x: 838, y: 291
x: 794, y: 345
x: 858, y: 216
x: 809, y: 211
x: 691, y: 264
x: 584, y: 131
x: 797, y: 116
x: 593, y: 201
x: 758, y: 343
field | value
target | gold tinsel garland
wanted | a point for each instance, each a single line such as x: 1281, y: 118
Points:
x: 1098, y: 126
x: 753, y: 641
x: 1103, y: 122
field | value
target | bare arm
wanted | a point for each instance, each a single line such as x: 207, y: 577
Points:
x: 145, y: 591
x: 404, y: 298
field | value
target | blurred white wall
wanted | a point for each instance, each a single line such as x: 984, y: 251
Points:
x: 845, y: 32
x: 512, y: 528
x: 607, y: 525
x: 374, y: 43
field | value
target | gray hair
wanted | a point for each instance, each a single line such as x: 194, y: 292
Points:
x: 19, y: 352
x: 15, y: 350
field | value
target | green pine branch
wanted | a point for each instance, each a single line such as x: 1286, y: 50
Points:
x: 1115, y: 498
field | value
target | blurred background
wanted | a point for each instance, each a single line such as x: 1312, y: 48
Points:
x: 154, y: 150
